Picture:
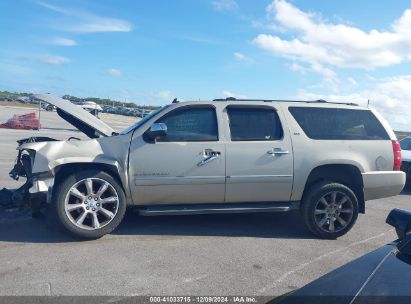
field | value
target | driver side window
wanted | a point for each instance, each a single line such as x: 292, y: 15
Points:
x: 190, y: 124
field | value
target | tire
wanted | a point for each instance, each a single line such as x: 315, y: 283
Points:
x: 93, y: 215
x: 329, y: 221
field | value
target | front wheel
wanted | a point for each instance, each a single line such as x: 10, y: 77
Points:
x: 89, y: 204
x: 329, y: 210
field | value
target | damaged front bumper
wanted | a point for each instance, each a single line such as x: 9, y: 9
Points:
x: 35, y: 191
x: 34, y: 194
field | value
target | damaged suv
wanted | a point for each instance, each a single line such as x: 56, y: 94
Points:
x: 222, y: 156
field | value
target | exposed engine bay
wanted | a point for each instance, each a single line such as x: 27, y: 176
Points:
x: 22, y: 166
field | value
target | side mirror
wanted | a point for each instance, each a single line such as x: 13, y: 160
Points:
x: 157, y: 130
x: 401, y: 221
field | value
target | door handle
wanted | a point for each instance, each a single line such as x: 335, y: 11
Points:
x: 277, y: 152
x: 210, y: 152
x: 209, y: 155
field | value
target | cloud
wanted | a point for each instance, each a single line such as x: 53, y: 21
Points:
x: 64, y: 42
x: 81, y: 21
x: 243, y: 58
x: 114, y: 72
x: 15, y: 69
x: 235, y: 95
x: 352, y: 81
x: 389, y: 96
x: 164, y: 95
x: 340, y: 45
x: 225, y: 5
x: 54, y: 60
x: 329, y: 76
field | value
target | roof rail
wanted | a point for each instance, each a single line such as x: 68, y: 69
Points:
x: 279, y: 100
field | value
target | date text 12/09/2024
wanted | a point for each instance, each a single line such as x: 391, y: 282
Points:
x: 203, y: 299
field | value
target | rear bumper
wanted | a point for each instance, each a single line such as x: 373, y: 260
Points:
x: 380, y: 184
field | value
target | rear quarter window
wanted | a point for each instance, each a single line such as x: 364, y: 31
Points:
x: 338, y: 124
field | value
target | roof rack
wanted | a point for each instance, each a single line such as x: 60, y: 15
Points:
x: 279, y: 100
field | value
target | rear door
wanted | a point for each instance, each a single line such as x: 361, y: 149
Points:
x: 259, y: 158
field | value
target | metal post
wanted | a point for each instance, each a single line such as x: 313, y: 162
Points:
x: 39, y: 114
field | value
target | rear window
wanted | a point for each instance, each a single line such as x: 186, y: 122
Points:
x: 254, y: 123
x: 334, y: 124
x: 406, y: 144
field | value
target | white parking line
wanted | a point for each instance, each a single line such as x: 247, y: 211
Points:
x: 304, y: 265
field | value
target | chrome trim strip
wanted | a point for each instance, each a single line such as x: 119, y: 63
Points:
x: 149, y: 177
x: 178, y: 180
x: 246, y: 179
x: 258, y: 176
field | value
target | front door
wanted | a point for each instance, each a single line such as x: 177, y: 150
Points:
x: 259, y: 159
x: 185, y: 166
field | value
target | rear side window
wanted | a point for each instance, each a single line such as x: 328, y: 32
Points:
x: 254, y: 123
x: 406, y: 144
x: 190, y: 124
x: 334, y: 124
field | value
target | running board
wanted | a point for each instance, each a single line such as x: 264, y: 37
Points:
x: 218, y: 208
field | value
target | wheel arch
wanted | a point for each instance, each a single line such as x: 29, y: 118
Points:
x: 64, y: 170
x: 346, y: 174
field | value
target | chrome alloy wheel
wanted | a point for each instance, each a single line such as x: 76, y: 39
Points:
x: 333, y: 211
x: 91, y: 203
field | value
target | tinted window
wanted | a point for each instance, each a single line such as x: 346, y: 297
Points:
x: 254, y: 123
x: 347, y: 124
x: 406, y: 144
x: 191, y: 124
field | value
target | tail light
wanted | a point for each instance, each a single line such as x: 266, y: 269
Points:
x: 396, y: 148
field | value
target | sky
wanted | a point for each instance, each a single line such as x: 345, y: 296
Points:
x: 151, y: 51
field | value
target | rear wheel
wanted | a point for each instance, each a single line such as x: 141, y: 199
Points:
x: 329, y: 210
x: 89, y: 204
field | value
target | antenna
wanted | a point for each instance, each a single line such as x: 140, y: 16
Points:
x: 368, y: 103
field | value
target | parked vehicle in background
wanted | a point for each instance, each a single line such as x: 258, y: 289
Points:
x: 145, y: 113
x: 91, y: 107
x: 23, y: 99
x: 406, y: 157
x: 382, y: 276
x: 48, y: 107
x: 227, y: 155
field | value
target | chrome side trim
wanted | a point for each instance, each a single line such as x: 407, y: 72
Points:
x: 179, y: 180
x: 258, y: 176
x: 285, y: 178
x: 184, y: 180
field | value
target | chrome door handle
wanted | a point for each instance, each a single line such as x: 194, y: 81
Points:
x: 207, y: 160
x: 209, y: 155
x: 277, y: 152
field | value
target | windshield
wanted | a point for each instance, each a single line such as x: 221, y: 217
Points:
x: 143, y: 120
x: 406, y: 144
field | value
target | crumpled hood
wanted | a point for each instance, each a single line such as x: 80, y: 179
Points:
x: 50, y: 154
x: 78, y: 117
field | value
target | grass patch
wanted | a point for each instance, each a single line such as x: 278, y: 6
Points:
x: 18, y: 104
